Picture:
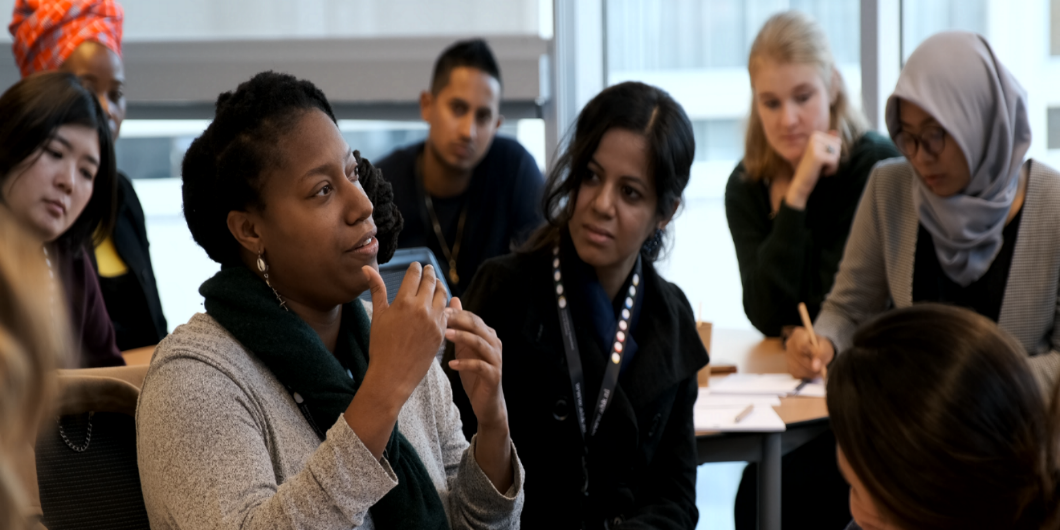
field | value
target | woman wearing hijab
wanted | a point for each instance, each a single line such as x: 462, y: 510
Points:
x: 83, y: 37
x: 963, y: 220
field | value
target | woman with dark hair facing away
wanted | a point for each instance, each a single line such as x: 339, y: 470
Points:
x: 807, y: 156
x: 600, y: 352
x: 57, y: 179
x: 964, y: 218
x: 940, y: 424
x: 289, y: 404
x: 83, y: 37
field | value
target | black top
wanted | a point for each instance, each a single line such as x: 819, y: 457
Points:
x: 794, y: 257
x: 984, y: 296
x: 642, y: 460
x: 127, y: 307
x: 132, y: 299
x: 90, y: 326
x: 503, y: 199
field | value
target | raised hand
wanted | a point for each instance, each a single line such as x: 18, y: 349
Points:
x: 478, y: 359
x: 405, y: 337
x: 406, y: 333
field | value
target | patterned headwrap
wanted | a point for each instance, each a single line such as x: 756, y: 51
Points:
x: 46, y: 32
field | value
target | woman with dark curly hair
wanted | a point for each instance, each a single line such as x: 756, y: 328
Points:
x: 288, y: 405
x: 601, y: 353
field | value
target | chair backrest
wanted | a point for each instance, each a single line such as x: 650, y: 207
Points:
x: 87, y: 473
x: 393, y: 271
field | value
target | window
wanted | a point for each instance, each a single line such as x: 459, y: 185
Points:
x: 1054, y: 27
x: 923, y: 18
x: 718, y: 139
x: 1054, y: 127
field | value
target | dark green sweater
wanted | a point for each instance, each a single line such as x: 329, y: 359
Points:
x: 794, y: 257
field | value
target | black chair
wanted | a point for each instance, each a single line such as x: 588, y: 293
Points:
x: 393, y: 271
x: 87, y: 472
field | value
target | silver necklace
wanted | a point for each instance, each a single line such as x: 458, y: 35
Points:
x: 88, y: 434
x: 59, y: 419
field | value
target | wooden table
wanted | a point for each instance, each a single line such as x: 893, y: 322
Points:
x: 138, y: 356
x: 805, y: 418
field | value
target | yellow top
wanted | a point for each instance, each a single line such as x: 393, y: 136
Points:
x: 110, y: 263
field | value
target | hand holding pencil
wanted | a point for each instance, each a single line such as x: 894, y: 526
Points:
x: 807, y: 355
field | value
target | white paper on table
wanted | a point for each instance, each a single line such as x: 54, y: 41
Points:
x: 768, y: 384
x: 762, y: 419
x: 708, y: 399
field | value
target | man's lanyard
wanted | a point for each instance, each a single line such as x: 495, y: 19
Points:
x: 588, y: 425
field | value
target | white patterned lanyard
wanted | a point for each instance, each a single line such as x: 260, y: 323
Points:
x: 574, y: 362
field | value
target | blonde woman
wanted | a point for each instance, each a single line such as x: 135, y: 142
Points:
x: 30, y: 338
x: 791, y: 201
x: 790, y: 204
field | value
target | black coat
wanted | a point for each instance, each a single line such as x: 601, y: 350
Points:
x: 130, y: 240
x: 642, y: 461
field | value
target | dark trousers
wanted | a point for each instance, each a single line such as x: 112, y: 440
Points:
x: 813, y: 492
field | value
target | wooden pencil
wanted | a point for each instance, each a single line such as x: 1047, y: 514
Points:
x: 806, y: 323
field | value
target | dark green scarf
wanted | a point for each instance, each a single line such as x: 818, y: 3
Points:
x: 247, y: 308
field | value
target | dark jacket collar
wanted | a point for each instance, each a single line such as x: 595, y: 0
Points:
x: 669, y: 348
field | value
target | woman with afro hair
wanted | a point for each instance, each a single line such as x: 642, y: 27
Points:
x: 289, y: 404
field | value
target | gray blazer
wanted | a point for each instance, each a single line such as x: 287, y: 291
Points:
x: 877, y: 265
x: 222, y: 445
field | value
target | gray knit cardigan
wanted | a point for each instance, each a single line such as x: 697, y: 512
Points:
x: 222, y: 445
x: 877, y: 265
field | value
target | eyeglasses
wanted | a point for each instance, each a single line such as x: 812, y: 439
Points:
x: 933, y: 139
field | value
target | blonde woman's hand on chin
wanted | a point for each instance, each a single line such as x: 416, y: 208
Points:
x: 478, y: 360
x: 805, y: 360
x: 821, y: 158
x: 405, y: 337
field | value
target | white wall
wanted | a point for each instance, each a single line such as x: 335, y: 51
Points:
x: 154, y: 20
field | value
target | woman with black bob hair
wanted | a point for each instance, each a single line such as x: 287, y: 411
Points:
x: 58, y: 180
x: 289, y: 404
x: 601, y: 353
x: 940, y: 424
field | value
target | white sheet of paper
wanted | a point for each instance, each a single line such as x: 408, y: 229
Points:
x: 814, y: 388
x: 761, y: 384
x: 762, y: 419
x: 710, y: 400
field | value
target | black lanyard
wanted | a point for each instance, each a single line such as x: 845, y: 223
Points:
x: 589, y: 425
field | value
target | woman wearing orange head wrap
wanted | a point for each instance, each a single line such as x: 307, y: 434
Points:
x: 83, y: 37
